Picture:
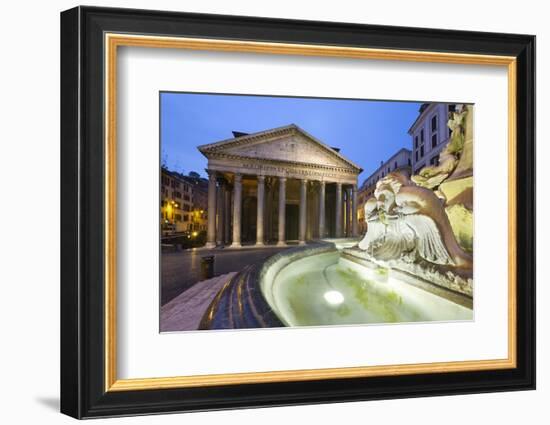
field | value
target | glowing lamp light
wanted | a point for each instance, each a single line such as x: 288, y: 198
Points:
x: 334, y: 297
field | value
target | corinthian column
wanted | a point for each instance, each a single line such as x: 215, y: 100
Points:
x: 237, y: 201
x: 338, y: 214
x: 348, y: 212
x: 220, y: 208
x: 303, y: 212
x: 227, y: 215
x: 211, y: 232
x: 354, y: 227
x: 260, y: 211
x: 282, y: 206
x: 322, y: 209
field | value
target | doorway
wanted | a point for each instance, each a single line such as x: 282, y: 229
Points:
x: 292, y: 212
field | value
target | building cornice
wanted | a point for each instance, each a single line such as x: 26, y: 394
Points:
x: 185, y: 179
x: 385, y: 163
x: 425, y: 112
x: 364, y: 186
x: 283, y: 163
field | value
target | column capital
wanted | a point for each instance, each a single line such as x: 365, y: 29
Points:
x: 282, y: 179
x: 304, y: 181
x: 322, y: 182
x: 212, y: 174
x: 238, y: 177
x: 261, y: 178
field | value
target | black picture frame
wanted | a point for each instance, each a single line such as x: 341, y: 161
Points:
x: 83, y: 392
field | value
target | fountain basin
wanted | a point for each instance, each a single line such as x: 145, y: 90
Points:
x: 323, y: 284
x: 330, y: 288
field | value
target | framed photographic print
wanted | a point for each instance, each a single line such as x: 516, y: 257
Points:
x: 261, y: 212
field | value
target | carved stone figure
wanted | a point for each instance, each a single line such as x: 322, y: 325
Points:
x: 408, y: 223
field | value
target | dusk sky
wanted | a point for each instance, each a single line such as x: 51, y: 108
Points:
x: 366, y: 132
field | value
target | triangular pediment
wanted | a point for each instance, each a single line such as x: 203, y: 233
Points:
x: 286, y: 144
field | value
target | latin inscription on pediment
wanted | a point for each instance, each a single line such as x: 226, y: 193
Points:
x: 290, y: 148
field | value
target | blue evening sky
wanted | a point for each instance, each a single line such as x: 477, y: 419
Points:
x: 367, y: 132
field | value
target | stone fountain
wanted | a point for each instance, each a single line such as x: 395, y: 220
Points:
x: 414, y: 263
x: 423, y: 226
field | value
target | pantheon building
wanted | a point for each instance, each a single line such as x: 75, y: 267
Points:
x: 278, y: 186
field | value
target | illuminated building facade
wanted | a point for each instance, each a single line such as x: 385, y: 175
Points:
x: 277, y: 186
x: 183, y: 202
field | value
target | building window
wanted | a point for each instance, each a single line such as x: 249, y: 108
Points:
x: 178, y: 217
x: 176, y: 194
x: 186, y: 218
x: 421, y: 151
x: 395, y: 165
x: 434, y: 123
x: 422, y: 136
x: 186, y: 197
x: 434, y: 140
x: 416, y: 156
x: 409, y: 161
x: 435, y: 160
x: 416, y: 142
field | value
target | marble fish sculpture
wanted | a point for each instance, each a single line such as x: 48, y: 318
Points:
x: 408, y: 222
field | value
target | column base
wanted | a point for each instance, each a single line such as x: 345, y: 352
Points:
x: 210, y: 245
x: 281, y: 243
x: 301, y: 242
x: 260, y: 244
x: 235, y: 245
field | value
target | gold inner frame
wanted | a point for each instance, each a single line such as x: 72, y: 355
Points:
x: 113, y: 41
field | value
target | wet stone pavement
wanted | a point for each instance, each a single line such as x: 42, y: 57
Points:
x: 181, y: 270
x: 184, y: 313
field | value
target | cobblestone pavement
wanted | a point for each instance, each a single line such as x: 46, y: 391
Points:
x: 185, y: 312
x: 181, y: 270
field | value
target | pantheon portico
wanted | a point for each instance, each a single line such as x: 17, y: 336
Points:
x: 277, y: 186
